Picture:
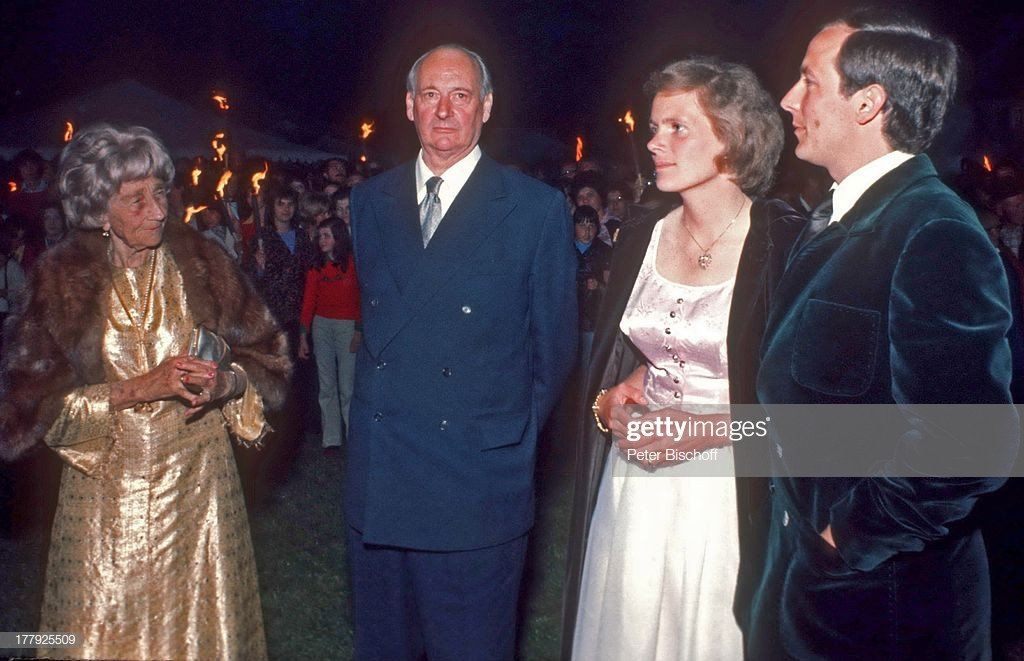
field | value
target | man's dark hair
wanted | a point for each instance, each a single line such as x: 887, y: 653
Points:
x: 336, y: 159
x: 585, y: 214
x: 588, y: 179
x: 286, y: 193
x: 916, y: 67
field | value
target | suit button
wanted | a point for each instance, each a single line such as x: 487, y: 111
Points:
x: 446, y: 371
x: 381, y: 365
x: 374, y: 302
x: 378, y: 416
x: 444, y: 425
x: 466, y: 309
x: 785, y: 518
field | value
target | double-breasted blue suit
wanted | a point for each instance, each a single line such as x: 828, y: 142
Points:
x: 903, y: 302
x: 466, y: 346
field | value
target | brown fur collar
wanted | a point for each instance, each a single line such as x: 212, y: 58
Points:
x: 53, y: 338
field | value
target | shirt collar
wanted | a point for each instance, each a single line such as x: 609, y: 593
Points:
x: 454, y: 177
x: 846, y: 194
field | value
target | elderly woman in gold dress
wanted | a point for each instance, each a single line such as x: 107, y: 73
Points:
x: 151, y: 555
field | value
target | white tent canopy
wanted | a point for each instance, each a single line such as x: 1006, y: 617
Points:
x: 186, y: 131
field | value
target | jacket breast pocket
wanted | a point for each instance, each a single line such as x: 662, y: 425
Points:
x: 836, y: 348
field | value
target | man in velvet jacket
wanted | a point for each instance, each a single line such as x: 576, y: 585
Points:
x: 900, y: 301
x: 468, y: 334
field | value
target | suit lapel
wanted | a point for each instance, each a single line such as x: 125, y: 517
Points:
x: 750, y: 272
x: 808, y: 260
x: 478, y: 210
x: 399, y: 226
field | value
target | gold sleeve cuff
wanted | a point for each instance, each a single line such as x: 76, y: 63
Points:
x: 83, y: 432
x: 244, y: 414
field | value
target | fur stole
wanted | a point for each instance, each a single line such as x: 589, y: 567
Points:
x: 53, y: 337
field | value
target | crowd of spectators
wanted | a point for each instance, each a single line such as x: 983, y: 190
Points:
x: 266, y: 214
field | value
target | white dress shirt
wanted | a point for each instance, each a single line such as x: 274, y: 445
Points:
x: 452, y: 179
x: 846, y: 194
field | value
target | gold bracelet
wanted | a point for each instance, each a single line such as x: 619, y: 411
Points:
x: 595, y: 407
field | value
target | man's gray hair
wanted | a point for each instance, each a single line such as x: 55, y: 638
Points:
x: 481, y: 69
x: 101, y: 158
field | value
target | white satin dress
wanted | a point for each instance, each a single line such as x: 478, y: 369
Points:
x: 663, y: 552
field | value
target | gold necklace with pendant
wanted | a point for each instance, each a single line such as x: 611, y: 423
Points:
x: 704, y: 259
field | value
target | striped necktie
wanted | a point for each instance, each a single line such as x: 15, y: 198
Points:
x: 430, y: 210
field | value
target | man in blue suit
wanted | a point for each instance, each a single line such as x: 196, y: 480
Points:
x: 467, y: 285
x: 893, y: 297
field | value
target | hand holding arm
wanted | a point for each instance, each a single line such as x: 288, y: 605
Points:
x: 611, y: 406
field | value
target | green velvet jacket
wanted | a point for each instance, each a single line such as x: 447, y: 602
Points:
x: 901, y: 303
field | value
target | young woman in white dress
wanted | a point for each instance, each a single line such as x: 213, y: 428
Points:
x: 657, y: 573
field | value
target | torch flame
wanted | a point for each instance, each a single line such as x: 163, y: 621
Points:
x: 579, y: 148
x: 362, y: 158
x: 627, y: 119
x: 366, y: 129
x: 987, y: 163
x: 69, y: 131
x: 221, y: 100
x: 258, y: 177
x: 190, y: 211
x: 218, y: 146
x: 195, y: 173
x: 12, y: 186
x: 224, y: 178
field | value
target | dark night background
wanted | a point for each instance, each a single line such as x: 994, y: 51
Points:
x: 304, y: 69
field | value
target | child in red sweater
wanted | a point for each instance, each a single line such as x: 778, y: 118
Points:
x: 330, y: 312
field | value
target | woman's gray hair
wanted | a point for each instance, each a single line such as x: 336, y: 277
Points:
x: 98, y: 160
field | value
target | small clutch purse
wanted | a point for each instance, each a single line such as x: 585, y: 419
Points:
x: 203, y: 343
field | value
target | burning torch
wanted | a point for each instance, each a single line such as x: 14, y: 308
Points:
x: 638, y: 185
x: 364, y: 132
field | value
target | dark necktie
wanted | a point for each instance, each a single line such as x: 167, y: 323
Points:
x: 817, y: 221
x: 820, y: 217
x: 430, y: 210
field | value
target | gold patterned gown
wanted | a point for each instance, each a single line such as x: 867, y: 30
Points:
x: 151, y: 556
